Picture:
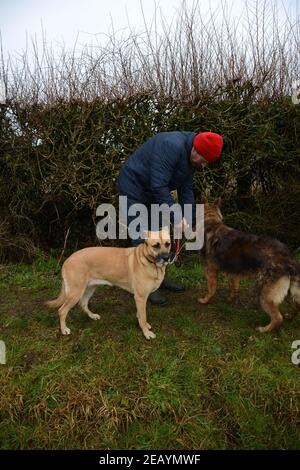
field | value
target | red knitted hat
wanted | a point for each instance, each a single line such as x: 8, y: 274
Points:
x: 209, y: 145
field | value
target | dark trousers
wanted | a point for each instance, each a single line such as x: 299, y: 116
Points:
x: 147, y: 225
x: 131, y: 200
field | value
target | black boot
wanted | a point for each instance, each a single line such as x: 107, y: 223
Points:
x: 157, y: 298
x: 172, y: 286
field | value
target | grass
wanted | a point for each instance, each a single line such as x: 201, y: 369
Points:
x: 208, y: 381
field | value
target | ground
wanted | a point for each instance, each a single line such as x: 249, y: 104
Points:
x: 208, y: 380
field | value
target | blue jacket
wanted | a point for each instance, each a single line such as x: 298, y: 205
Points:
x: 160, y: 165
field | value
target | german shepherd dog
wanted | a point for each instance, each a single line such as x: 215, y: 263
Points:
x: 240, y: 254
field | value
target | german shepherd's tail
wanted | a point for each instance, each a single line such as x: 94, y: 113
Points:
x: 59, y: 300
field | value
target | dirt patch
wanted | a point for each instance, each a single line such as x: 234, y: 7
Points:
x: 29, y: 359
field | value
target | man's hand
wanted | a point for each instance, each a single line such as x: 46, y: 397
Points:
x: 192, y: 233
x: 180, y: 228
x: 182, y: 225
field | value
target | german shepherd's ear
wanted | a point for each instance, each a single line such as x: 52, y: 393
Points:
x: 218, y: 202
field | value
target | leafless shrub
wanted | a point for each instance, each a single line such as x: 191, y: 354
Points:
x: 71, y: 119
x: 196, y: 54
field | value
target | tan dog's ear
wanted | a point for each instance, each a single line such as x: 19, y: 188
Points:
x: 145, y: 235
x: 217, y: 202
x: 165, y: 230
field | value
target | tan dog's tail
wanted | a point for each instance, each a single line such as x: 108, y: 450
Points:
x: 59, y: 300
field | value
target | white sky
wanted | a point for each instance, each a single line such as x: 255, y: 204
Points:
x: 64, y: 20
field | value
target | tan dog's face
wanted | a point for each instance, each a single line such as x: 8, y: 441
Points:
x: 158, y: 246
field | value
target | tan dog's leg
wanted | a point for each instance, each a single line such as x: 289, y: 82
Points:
x: 84, y: 301
x: 63, y: 311
x: 234, y: 286
x: 75, y: 285
x: 60, y: 299
x: 211, y: 277
x: 141, y: 301
x: 272, y: 295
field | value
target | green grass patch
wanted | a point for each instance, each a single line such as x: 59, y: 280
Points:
x: 208, y: 381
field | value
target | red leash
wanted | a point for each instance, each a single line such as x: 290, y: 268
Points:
x: 177, y: 251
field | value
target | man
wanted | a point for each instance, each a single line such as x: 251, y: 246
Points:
x: 164, y: 163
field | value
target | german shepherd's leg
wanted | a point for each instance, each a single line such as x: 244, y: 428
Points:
x: 272, y: 294
x: 141, y: 301
x: 211, y: 274
x: 295, y: 310
x: 295, y: 298
x: 84, y: 301
x: 234, y: 286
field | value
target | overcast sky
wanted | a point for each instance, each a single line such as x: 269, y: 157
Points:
x: 65, y: 20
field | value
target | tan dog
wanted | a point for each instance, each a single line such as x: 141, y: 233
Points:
x: 138, y: 270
